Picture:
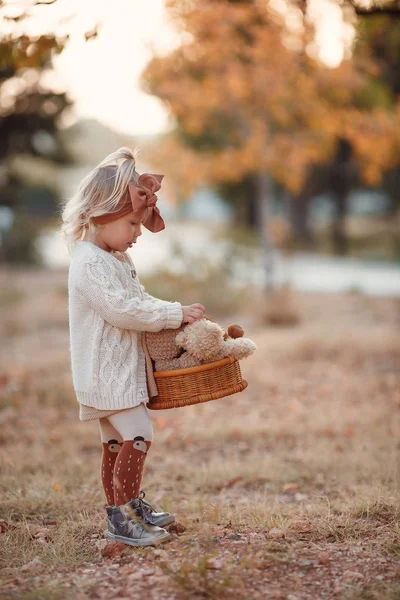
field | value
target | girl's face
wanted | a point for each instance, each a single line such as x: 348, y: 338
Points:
x: 119, y: 234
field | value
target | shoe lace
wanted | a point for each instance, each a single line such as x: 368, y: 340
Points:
x: 145, y: 507
x: 140, y: 507
x: 134, y: 525
x: 137, y: 516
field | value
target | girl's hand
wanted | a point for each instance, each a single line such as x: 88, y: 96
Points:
x: 193, y: 313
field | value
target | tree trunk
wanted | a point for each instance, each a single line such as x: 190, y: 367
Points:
x: 262, y: 198
x: 299, y: 219
x: 342, y: 175
x: 339, y: 237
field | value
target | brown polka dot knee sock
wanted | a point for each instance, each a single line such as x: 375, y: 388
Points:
x: 110, y: 453
x: 128, y: 469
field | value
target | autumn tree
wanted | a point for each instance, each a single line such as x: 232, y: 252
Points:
x: 30, y: 112
x: 251, y: 106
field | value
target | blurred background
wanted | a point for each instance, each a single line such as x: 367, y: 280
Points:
x: 276, y: 124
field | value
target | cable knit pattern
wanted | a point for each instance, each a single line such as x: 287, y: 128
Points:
x: 108, y: 311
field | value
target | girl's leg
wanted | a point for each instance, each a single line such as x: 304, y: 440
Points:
x: 134, y: 426
x: 112, y: 444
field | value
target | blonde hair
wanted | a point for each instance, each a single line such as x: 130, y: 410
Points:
x: 98, y: 193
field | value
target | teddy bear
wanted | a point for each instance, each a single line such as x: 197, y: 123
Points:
x: 197, y: 343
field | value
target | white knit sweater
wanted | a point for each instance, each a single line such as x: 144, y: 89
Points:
x: 108, y: 311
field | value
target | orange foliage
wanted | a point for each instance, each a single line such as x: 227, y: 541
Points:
x: 262, y: 105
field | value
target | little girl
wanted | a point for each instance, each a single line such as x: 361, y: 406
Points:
x: 108, y: 311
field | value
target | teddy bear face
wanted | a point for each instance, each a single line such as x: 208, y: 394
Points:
x: 162, y: 344
x: 203, y: 339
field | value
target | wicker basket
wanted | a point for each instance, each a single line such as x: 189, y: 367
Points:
x: 211, y: 381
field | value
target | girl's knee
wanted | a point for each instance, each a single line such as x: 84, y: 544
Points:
x: 133, y: 423
x: 108, y: 432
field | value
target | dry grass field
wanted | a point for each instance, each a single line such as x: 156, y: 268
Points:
x: 289, y: 490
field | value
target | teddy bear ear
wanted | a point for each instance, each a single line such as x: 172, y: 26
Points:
x: 235, y: 331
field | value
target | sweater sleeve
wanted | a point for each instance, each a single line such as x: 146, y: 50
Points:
x: 147, y: 296
x: 101, y: 287
x: 152, y: 298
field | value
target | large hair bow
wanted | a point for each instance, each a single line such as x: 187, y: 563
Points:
x: 143, y: 198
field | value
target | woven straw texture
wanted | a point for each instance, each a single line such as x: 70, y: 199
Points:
x: 184, y: 387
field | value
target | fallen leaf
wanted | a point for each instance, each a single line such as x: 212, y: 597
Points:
x: 4, y: 526
x: 276, y: 533
x: 301, y: 526
x: 290, y: 487
x: 231, y: 482
x: 45, y: 533
x: 177, y: 528
x: 324, y: 558
x: 113, y: 549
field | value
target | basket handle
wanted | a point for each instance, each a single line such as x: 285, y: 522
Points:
x: 206, y: 316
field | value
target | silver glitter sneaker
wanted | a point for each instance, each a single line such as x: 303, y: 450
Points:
x: 144, y: 511
x: 133, y: 533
